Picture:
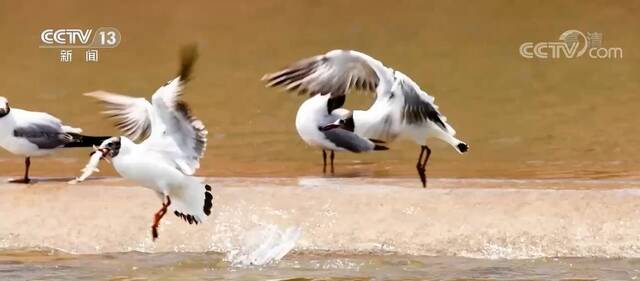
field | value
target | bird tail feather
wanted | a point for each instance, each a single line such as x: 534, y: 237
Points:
x: 194, y: 203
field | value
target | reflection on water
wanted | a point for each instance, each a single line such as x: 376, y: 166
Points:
x: 52, y: 265
x: 523, y: 118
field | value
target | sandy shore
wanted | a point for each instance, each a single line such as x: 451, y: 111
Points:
x: 472, y: 218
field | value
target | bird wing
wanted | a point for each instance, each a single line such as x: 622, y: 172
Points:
x: 184, y: 137
x: 419, y: 107
x: 133, y: 116
x: 41, y: 129
x: 336, y: 73
x: 348, y: 140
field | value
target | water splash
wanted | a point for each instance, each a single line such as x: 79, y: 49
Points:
x: 264, y: 244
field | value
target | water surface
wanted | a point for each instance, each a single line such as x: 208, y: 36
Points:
x: 523, y: 118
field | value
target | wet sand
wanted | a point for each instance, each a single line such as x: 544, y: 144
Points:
x: 453, y: 217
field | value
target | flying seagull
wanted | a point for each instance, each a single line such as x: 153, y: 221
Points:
x: 30, y: 133
x: 317, y: 112
x: 401, y: 108
x: 173, y: 142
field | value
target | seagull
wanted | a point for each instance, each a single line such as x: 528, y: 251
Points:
x: 173, y: 142
x: 401, y: 108
x: 317, y: 112
x: 30, y: 133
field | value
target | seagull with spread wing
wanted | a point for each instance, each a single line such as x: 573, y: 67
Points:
x: 173, y: 143
x: 401, y: 108
x: 30, y: 133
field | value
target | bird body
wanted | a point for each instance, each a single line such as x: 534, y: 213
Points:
x: 313, y: 114
x: 172, y: 143
x: 401, y: 108
x: 317, y: 112
x: 150, y: 169
x: 28, y: 133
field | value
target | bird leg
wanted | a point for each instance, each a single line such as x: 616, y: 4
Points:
x: 26, y: 179
x: 324, y: 162
x: 158, y: 216
x: 422, y: 164
x: 332, y: 156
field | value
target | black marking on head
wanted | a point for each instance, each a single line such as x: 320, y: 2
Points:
x: 207, y: 187
x: 114, y: 146
x: 348, y: 124
x: 335, y: 103
x: 5, y: 111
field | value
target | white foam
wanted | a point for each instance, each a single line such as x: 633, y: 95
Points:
x: 264, y: 244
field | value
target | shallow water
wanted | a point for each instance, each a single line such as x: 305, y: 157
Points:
x: 52, y: 265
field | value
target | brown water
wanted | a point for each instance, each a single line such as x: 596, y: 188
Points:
x: 51, y: 265
x: 524, y: 119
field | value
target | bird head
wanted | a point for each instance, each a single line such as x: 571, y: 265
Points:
x: 110, y: 147
x: 346, y: 123
x: 4, y: 107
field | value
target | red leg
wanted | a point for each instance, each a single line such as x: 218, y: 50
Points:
x: 157, y: 217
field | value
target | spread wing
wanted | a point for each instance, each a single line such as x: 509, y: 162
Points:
x: 133, y: 116
x: 336, y: 73
x: 184, y: 137
x: 419, y: 107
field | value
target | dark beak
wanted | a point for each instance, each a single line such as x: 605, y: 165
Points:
x: 329, y: 127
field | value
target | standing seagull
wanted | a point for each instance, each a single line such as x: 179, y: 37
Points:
x: 319, y: 111
x: 401, y: 108
x: 30, y: 133
x: 166, y: 160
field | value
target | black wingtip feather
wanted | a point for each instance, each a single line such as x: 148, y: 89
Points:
x: 188, y: 57
x: 208, y: 200
x: 380, y: 147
